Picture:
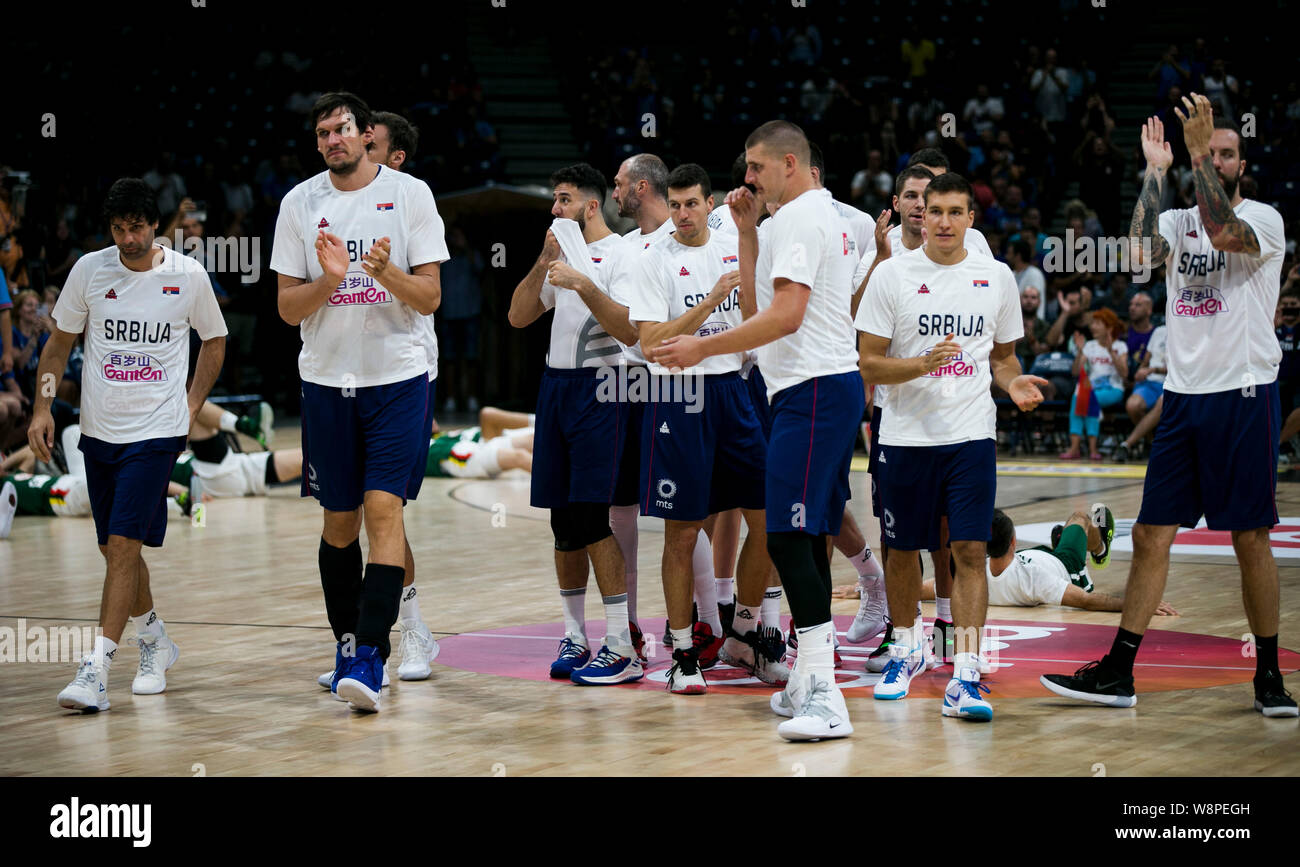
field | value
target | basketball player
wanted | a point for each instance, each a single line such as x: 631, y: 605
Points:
x: 357, y: 249
x: 392, y: 144
x: 909, y: 192
x: 938, y: 442
x: 584, y: 273
x: 1215, y: 451
x: 708, y: 456
x: 135, y: 302
x: 471, y: 454
x: 805, y: 340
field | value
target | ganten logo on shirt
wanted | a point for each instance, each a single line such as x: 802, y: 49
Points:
x: 132, y: 331
x: 111, y: 294
x: 683, y: 272
x: 323, y: 224
x: 712, y: 328
x: 132, y: 367
x: 924, y: 290
x: 1199, y: 301
x: 384, y: 206
x: 356, y: 289
x: 959, y: 366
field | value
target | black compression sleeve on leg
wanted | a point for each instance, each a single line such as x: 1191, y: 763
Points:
x: 822, y: 559
x: 792, y: 554
x: 381, y: 598
x: 272, y: 477
x: 340, y: 578
x: 578, y: 525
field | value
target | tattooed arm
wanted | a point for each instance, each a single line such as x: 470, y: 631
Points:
x: 1228, y: 232
x: 1144, y: 231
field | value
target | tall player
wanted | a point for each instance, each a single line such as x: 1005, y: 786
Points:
x: 700, y: 459
x: 938, y: 325
x: 585, y: 276
x: 136, y: 303
x: 1215, y: 451
x: 805, y: 340
x: 357, y: 249
x: 393, y: 143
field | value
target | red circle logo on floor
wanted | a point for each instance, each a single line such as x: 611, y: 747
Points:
x: 1020, y: 651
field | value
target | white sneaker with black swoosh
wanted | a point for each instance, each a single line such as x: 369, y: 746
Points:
x: 823, y: 715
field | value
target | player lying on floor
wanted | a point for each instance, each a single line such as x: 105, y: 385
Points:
x: 502, y: 441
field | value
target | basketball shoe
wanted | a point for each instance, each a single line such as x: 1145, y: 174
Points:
x: 572, y: 655
x: 870, y: 619
x: 608, y: 668
x: 962, y: 697
x: 685, y: 677
x: 327, y: 679
x: 707, y: 645
x: 419, y: 648
x: 821, y: 716
x: 1271, y: 699
x: 361, y: 678
x: 1094, y: 682
x: 904, y: 664
x: 1106, y: 526
x: 8, y: 508
x: 879, y: 657
x: 157, y: 654
x: 89, y: 689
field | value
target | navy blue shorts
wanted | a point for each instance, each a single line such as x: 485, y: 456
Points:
x: 127, y: 483
x: 923, y: 483
x: 814, y: 430
x: 577, y: 440
x: 422, y: 460
x: 627, y: 488
x: 367, y: 442
x: 873, y: 463
x: 1215, y: 455
x: 758, y: 397
x: 695, y: 464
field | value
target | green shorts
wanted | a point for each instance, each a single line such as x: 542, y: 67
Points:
x: 1072, y: 551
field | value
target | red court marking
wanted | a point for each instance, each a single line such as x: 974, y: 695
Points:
x: 1281, y: 536
x: 1025, y: 649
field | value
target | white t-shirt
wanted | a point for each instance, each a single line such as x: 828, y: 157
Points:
x: 577, y: 339
x: 864, y: 227
x: 673, y: 278
x: 808, y: 242
x: 1220, y: 308
x: 973, y: 241
x: 916, y: 303
x: 137, y: 347
x: 1158, y: 352
x: 363, y: 335
x: 1033, y: 578
x: 1101, y: 366
x: 720, y: 220
x: 641, y: 243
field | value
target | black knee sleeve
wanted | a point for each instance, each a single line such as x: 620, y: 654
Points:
x: 578, y: 525
x: 340, y: 578
x: 381, y: 599
x: 795, y: 557
x: 272, y: 477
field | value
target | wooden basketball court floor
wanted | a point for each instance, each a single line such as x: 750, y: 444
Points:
x: 242, y: 599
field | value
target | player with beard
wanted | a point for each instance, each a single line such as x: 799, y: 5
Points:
x: 1215, y: 451
x: 357, y: 252
x: 578, y: 437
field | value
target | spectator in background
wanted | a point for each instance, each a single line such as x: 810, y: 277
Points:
x: 48, y: 299
x: 1031, y: 230
x: 1169, y: 73
x: 1101, y: 173
x: 872, y: 187
x: 1072, y: 319
x: 6, y: 327
x: 917, y: 52
x: 1049, y: 84
x: 60, y: 253
x: 805, y: 45
x: 238, y: 194
x: 459, y: 316
x: 1147, y: 346
x: 1028, y: 276
x: 1034, y: 343
x: 1105, y: 359
x: 168, y: 185
x: 30, y: 332
x: 1220, y: 88
x: 982, y: 111
x: 1288, y: 338
x: 11, y: 252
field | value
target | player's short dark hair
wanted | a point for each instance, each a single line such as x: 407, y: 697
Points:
x: 328, y: 103
x: 130, y: 197
x: 783, y: 137
x: 1021, y: 246
x: 584, y: 177
x: 688, y: 175
x: 1227, y: 123
x: 907, y: 174
x: 402, y: 134
x: 1002, y: 531
x: 929, y: 157
x: 951, y: 182
x: 739, y: 168
x: 817, y: 160
x: 652, y: 170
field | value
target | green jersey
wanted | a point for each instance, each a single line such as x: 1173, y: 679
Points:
x: 442, y: 445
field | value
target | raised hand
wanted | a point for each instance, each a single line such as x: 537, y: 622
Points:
x: 332, y: 254
x: 1154, y: 147
x: 744, y: 207
x: 1024, y: 391
x: 1198, y: 123
x: 882, y: 234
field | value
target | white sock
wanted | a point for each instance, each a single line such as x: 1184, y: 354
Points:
x: 618, y: 636
x: 227, y: 422
x: 682, y: 638
x: 726, y: 588
x: 817, y: 650
x: 409, y: 610
x: 105, y: 649
x: 575, y: 619
x: 622, y: 520
x: 867, y: 564
x: 149, y: 623
x: 772, y: 607
x: 966, y: 666
x: 746, y: 619
x: 943, y: 604
x: 706, y: 588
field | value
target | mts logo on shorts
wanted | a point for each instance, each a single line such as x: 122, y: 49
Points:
x: 358, y: 289
x: 1198, y: 301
